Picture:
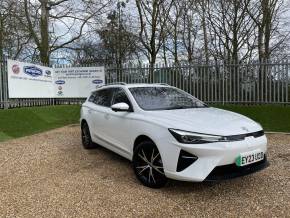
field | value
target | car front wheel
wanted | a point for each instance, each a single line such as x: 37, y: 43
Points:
x: 148, y: 166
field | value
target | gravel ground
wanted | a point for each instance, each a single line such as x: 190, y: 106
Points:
x: 50, y: 175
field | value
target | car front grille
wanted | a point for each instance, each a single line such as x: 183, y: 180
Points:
x: 232, y: 170
x: 243, y: 136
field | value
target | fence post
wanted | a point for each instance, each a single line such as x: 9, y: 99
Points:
x: 287, y: 81
x: 1, y: 84
x: 223, y: 68
x: 5, y: 84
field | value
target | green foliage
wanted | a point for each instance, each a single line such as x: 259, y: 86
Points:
x: 271, y: 117
x: 26, y: 121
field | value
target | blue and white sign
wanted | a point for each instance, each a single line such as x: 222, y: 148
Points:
x: 32, y: 71
x: 77, y: 82
x: 26, y: 80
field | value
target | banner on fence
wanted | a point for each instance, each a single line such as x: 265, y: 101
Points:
x: 77, y: 82
x: 27, y: 80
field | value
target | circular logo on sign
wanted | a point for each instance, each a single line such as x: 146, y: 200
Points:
x: 59, y: 88
x: 97, y: 81
x: 15, y: 69
x: 60, y: 82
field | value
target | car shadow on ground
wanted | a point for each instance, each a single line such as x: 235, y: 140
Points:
x: 173, y: 186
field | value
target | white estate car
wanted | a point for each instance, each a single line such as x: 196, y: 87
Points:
x: 167, y: 133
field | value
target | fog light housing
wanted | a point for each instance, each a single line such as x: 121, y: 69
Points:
x: 185, y: 159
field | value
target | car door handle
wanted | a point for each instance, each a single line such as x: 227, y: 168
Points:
x: 107, y: 116
x: 90, y: 111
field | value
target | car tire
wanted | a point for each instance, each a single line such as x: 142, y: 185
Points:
x: 148, y: 166
x: 86, y: 137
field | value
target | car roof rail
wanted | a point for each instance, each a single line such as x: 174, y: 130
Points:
x: 116, y: 83
x: 164, y: 84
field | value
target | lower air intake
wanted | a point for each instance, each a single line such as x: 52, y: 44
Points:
x: 185, y: 160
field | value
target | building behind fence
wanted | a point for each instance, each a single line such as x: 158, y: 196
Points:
x: 254, y: 83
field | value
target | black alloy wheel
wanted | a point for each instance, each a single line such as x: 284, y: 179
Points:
x: 148, y: 166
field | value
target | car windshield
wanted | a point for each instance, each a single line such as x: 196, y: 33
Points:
x: 164, y: 98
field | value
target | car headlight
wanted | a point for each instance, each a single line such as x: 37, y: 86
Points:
x: 195, y: 138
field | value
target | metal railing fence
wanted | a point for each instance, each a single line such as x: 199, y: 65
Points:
x: 253, y: 83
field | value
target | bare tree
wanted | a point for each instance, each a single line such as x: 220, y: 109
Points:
x: 203, y: 8
x: 13, y: 37
x: 229, y: 30
x: 266, y: 15
x: 3, y: 17
x: 153, y: 15
x: 88, y: 51
x: 57, y: 24
x: 174, y: 29
x: 233, y: 29
x: 190, y: 25
x: 118, y: 40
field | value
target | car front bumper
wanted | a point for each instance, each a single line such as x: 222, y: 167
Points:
x: 232, y: 171
x: 215, y: 161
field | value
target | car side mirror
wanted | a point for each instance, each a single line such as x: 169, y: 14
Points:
x: 120, y: 107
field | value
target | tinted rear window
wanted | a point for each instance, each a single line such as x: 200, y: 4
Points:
x: 103, y: 97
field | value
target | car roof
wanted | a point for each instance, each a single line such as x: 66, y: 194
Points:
x: 134, y: 85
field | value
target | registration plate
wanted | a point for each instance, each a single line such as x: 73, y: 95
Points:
x: 249, y: 158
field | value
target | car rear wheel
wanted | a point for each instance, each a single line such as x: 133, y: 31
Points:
x: 148, y: 166
x: 86, y: 137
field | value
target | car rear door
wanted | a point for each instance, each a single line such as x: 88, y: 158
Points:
x: 99, y: 114
x: 88, y: 108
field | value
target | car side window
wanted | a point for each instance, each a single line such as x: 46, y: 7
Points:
x: 92, y: 97
x: 104, y: 97
x: 121, y: 97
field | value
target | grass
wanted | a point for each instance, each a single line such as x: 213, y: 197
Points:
x: 272, y: 117
x: 20, y: 122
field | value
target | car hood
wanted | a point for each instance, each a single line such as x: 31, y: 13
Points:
x: 205, y: 120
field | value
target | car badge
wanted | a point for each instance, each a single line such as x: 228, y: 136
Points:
x: 244, y: 128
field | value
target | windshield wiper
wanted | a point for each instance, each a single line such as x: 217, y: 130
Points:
x: 176, y: 107
x: 184, y: 107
